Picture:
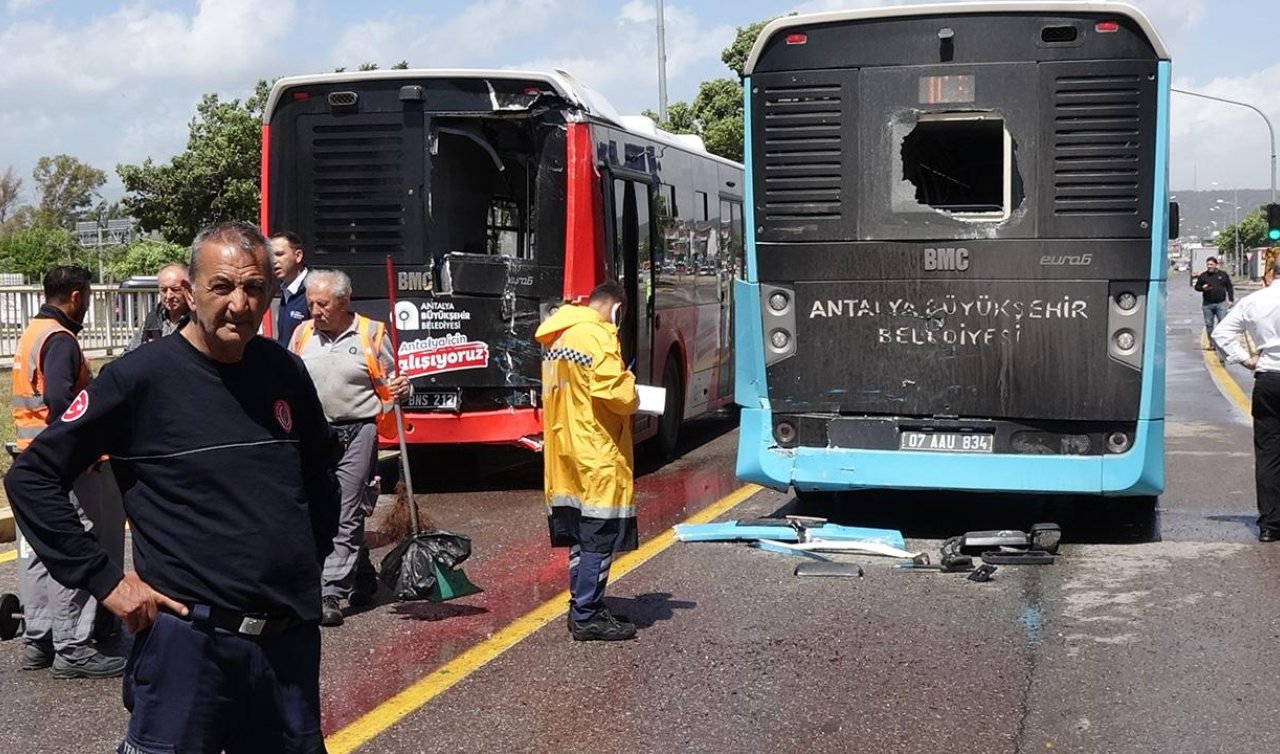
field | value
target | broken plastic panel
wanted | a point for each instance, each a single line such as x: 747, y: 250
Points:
x: 961, y: 164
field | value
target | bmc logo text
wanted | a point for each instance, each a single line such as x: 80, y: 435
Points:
x: 413, y: 281
x: 947, y: 259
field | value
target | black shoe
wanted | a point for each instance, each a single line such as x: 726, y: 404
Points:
x: 96, y: 665
x: 37, y: 656
x: 330, y: 613
x: 1268, y: 535
x: 569, y: 617
x: 603, y: 627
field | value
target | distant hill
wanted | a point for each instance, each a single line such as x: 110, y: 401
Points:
x: 1197, y: 219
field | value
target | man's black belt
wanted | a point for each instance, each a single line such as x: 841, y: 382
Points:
x: 245, y: 624
x: 347, y: 430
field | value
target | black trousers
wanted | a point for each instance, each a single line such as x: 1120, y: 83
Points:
x: 197, y: 689
x: 1266, y: 447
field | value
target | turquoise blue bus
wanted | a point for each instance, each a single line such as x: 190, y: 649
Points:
x: 957, y: 222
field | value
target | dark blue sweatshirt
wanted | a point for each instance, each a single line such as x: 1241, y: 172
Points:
x: 293, y: 310
x: 226, y: 472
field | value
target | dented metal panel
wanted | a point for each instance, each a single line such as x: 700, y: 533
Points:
x: 999, y: 349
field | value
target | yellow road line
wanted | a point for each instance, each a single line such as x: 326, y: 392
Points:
x: 1226, y: 383
x: 430, y: 686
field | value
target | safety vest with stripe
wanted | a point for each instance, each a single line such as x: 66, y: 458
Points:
x: 370, y: 332
x: 30, y: 412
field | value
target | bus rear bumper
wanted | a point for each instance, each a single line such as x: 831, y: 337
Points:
x: 1140, y: 471
x: 501, y: 427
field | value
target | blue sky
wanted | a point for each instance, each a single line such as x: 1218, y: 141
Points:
x: 110, y: 81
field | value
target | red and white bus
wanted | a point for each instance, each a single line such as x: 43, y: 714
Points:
x: 499, y: 195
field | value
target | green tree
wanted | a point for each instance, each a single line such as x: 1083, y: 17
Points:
x: 216, y: 178
x: 735, y: 55
x: 1253, y: 233
x: 401, y: 66
x: 716, y: 111
x: 33, y: 251
x: 67, y: 187
x: 144, y: 257
x: 680, y: 119
x: 10, y: 192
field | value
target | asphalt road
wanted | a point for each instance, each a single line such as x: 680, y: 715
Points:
x: 1152, y: 632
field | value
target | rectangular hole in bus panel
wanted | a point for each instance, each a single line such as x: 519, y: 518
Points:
x: 482, y: 189
x: 961, y: 164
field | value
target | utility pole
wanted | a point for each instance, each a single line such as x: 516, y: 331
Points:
x: 662, y: 66
x: 1270, y: 130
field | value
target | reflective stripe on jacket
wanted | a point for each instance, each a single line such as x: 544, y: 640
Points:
x: 588, y: 399
x: 30, y: 412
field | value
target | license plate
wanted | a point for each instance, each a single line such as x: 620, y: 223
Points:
x: 947, y: 442
x: 434, y: 401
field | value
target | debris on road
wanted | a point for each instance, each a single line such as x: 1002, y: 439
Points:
x: 791, y: 529
x: 843, y: 570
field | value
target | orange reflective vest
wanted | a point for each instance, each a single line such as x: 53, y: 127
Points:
x: 30, y: 412
x: 370, y: 332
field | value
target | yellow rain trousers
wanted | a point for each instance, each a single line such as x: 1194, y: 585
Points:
x: 588, y: 400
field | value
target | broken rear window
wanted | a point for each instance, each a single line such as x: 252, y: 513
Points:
x: 960, y: 164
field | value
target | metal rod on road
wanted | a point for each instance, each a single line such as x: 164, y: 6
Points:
x: 1270, y: 130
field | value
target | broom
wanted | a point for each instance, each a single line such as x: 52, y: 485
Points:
x: 424, y: 564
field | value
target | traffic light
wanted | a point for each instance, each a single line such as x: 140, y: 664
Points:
x: 1273, y: 222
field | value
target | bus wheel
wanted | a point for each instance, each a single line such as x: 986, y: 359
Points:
x: 673, y: 413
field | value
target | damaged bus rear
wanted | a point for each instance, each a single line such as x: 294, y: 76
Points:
x: 956, y: 266
x: 497, y: 196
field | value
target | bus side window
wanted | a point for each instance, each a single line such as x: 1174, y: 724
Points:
x: 503, y: 235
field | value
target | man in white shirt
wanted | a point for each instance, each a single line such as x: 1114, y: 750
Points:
x: 1258, y: 314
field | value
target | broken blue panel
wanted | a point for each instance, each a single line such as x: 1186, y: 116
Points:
x: 769, y: 545
x: 729, y: 531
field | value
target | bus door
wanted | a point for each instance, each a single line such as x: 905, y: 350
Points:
x: 630, y: 261
x: 731, y: 266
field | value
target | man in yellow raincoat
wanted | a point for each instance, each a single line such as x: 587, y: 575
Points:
x: 588, y: 400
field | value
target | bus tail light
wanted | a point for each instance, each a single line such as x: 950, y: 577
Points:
x: 797, y: 38
x: 1106, y: 27
x: 1118, y: 442
x: 784, y: 432
x: 1126, y: 323
x: 778, y: 323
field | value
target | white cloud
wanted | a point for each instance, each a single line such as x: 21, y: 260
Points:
x: 121, y: 85
x: 225, y: 38
x: 621, y: 61
x: 1212, y: 141
x: 482, y: 31
x: 18, y: 6
x: 616, y: 56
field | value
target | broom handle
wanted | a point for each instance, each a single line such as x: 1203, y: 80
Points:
x: 404, y: 448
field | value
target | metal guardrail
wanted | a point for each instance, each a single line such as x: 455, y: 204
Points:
x: 112, y: 319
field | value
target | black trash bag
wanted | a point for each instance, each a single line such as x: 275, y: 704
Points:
x: 425, y: 567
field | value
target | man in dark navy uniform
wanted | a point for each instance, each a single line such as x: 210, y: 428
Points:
x: 225, y: 461
x: 288, y: 267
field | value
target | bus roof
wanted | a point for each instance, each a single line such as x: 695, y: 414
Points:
x: 561, y: 81
x: 563, y: 84
x: 955, y: 9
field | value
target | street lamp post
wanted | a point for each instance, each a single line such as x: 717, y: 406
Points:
x: 1235, y: 223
